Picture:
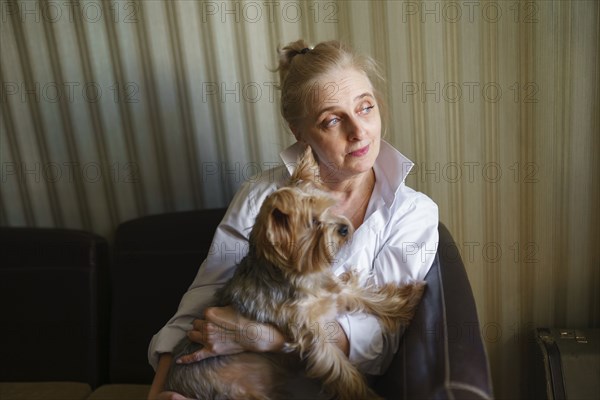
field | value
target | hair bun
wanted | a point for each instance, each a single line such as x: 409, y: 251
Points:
x: 287, y: 54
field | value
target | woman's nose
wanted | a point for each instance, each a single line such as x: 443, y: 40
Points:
x: 355, y: 129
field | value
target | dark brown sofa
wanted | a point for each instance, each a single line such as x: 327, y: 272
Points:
x: 78, y: 318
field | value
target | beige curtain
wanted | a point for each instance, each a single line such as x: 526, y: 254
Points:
x: 115, y: 109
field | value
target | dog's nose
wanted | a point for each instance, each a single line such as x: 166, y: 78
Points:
x: 343, y: 230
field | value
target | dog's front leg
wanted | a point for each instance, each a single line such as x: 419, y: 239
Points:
x: 393, y: 305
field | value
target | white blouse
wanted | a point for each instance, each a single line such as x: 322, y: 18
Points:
x: 397, y: 242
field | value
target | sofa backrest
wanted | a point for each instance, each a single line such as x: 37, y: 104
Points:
x: 155, y: 260
x: 53, y: 303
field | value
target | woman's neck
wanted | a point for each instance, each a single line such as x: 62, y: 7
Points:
x: 353, y: 196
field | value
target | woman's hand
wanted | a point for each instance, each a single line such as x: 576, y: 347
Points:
x: 224, y: 331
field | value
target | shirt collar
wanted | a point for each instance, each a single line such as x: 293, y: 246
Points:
x: 391, y: 167
x: 291, y: 155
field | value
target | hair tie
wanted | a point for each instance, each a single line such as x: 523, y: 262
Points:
x: 304, y: 50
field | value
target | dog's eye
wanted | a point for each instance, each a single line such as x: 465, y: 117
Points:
x: 316, y: 222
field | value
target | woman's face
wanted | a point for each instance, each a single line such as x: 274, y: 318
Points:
x: 344, y: 126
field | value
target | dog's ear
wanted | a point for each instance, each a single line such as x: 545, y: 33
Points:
x: 307, y: 168
x: 279, y: 219
x: 279, y: 235
x: 272, y: 235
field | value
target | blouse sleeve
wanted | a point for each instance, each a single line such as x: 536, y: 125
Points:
x: 229, y: 246
x: 406, y: 255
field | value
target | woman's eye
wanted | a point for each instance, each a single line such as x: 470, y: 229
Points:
x: 367, y: 109
x: 331, y: 122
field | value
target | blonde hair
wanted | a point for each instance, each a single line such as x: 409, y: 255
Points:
x: 301, y: 66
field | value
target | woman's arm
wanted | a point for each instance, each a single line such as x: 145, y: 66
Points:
x: 224, y: 331
x: 158, y: 384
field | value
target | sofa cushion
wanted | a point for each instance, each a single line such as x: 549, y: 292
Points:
x: 44, y: 390
x: 120, y: 392
x: 53, y: 302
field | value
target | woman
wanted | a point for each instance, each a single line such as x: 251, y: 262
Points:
x: 330, y: 104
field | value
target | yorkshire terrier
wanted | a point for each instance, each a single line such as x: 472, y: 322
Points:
x: 286, y: 281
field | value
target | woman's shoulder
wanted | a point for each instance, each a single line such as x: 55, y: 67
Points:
x: 408, y: 194
x: 256, y: 188
x: 405, y: 207
x: 265, y: 181
x: 392, y: 169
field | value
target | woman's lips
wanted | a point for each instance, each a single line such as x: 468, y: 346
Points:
x: 360, y: 152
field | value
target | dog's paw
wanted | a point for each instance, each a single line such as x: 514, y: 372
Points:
x: 346, y: 277
x: 355, y: 277
x: 414, y: 291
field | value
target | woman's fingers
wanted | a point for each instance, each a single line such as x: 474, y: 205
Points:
x: 224, y: 331
x: 225, y: 317
x: 196, y: 356
x: 211, y: 348
x: 200, y: 331
x: 250, y: 335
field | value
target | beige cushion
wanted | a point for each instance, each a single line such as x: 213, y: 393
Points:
x: 120, y: 392
x: 44, y: 390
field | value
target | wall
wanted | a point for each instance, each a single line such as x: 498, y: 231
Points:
x: 113, y: 110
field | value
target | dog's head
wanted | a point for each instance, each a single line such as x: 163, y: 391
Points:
x: 296, y: 231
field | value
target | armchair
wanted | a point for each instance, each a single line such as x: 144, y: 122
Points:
x: 441, y: 354
x: 102, y: 312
